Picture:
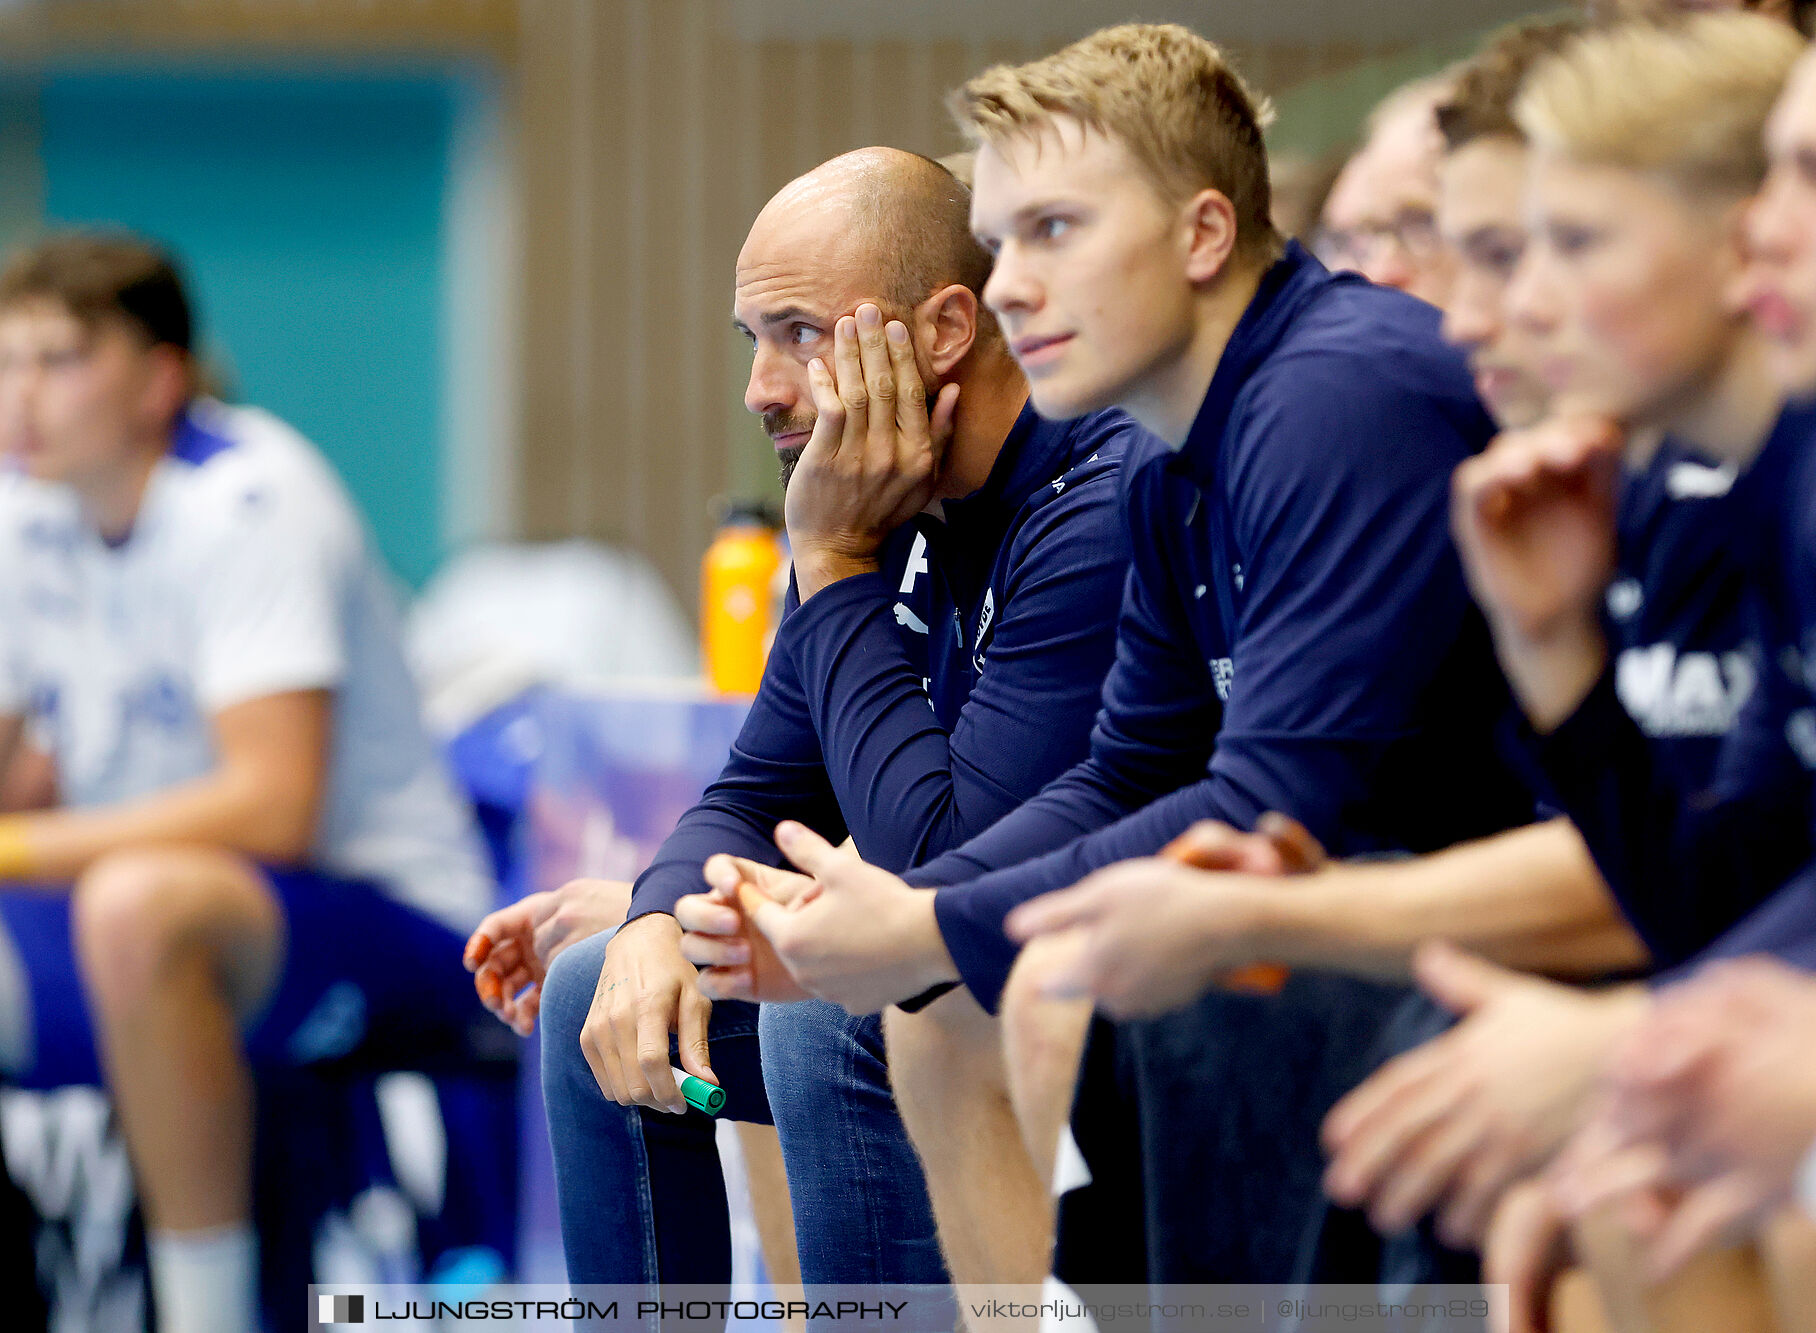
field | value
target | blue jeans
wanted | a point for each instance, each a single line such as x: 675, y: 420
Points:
x: 640, y: 1192
x: 1341, y: 1246
x: 860, y: 1201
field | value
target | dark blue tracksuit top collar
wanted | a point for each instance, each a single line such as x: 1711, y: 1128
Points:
x: 1034, y: 453
x: 1285, y: 287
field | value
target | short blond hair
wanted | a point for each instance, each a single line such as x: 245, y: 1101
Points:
x: 1166, y: 94
x: 1686, y: 98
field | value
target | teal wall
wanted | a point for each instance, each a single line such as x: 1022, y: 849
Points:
x: 308, y: 210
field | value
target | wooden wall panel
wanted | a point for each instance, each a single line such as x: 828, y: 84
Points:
x: 259, y: 25
x: 652, y: 135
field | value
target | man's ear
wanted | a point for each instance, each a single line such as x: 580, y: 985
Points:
x: 1210, y: 234
x: 1734, y: 250
x: 170, y: 384
x: 945, y: 327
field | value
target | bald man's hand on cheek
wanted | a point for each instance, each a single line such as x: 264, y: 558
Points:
x: 875, y: 453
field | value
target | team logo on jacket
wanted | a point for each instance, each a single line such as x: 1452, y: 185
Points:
x: 986, y: 621
x: 917, y: 566
x: 1699, y: 481
x: 1668, y: 693
x: 1223, y: 675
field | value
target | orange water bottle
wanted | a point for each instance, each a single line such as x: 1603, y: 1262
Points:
x: 735, y: 601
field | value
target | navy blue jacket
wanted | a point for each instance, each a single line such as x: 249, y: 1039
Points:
x: 1296, y: 634
x: 913, y: 707
x: 1681, y: 635
x: 1689, y: 854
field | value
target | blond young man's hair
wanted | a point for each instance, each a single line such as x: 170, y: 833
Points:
x: 1799, y: 13
x: 1167, y: 95
x: 1683, y: 98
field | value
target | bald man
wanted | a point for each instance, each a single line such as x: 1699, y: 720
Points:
x: 958, y: 567
x: 1380, y: 218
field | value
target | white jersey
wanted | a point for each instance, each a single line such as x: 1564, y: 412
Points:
x: 246, y: 574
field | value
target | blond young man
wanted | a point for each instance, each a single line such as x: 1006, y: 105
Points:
x: 1530, y: 897
x: 1143, y: 937
x: 1295, y: 637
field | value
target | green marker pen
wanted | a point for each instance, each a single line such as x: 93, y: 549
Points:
x: 698, y: 1093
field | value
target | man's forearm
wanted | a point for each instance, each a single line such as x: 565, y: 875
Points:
x: 221, y: 810
x: 1529, y: 898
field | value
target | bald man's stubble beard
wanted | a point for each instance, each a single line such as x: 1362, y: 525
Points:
x: 779, y: 423
x: 787, y: 460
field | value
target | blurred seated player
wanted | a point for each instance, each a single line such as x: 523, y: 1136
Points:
x: 255, y: 856
x: 1627, y: 288
x: 1740, y: 1100
x: 1658, y: 1148
x: 1379, y: 217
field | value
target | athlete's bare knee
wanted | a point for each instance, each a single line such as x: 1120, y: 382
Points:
x: 1043, y: 1040
x: 136, y: 912
x: 948, y: 1053
x: 1041, y: 1033
x: 1727, y: 1285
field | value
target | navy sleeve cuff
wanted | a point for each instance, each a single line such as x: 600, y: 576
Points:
x: 660, y: 887
x: 972, y: 926
x: 915, y: 1003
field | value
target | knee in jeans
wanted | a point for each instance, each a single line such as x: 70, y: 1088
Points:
x: 798, y: 1037
x: 567, y: 993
